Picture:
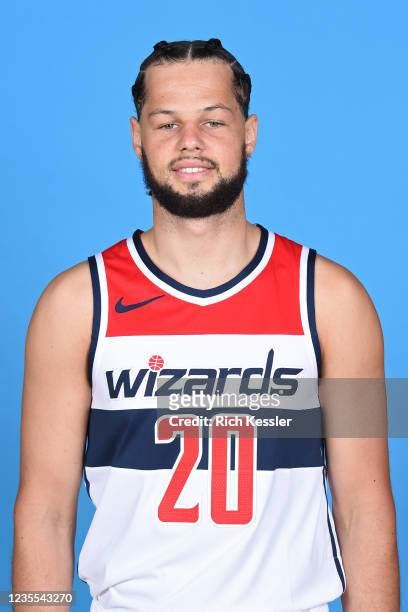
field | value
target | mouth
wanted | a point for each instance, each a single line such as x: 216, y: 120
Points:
x: 192, y: 173
x: 192, y: 170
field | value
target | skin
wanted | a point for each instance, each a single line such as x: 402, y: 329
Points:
x: 56, y: 393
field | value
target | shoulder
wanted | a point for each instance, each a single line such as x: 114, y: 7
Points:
x: 65, y: 307
x: 347, y: 322
x: 338, y: 291
x: 332, y: 277
x: 69, y: 290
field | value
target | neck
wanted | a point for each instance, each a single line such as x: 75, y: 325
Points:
x: 202, y: 253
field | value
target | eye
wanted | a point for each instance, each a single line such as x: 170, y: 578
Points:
x: 165, y: 126
x: 216, y: 123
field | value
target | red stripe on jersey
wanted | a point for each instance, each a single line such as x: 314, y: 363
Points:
x: 269, y: 304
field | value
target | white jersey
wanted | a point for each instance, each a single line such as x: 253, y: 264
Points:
x: 203, y: 506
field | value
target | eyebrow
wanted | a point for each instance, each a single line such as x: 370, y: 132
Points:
x: 164, y: 111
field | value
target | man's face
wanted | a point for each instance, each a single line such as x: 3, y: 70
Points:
x: 192, y: 139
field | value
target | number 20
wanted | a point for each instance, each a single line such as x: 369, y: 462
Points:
x: 188, y: 459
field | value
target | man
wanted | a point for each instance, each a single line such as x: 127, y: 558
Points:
x: 212, y: 515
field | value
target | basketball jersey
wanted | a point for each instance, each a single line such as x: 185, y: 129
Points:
x: 202, y: 507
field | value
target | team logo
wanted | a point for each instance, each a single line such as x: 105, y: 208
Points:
x: 156, y: 362
x: 156, y: 380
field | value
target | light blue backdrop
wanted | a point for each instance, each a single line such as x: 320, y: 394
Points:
x: 330, y: 169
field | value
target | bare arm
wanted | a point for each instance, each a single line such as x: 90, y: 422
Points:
x: 358, y: 469
x: 56, y: 400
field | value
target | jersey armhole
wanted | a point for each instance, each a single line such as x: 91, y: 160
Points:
x: 96, y: 318
x: 311, y: 313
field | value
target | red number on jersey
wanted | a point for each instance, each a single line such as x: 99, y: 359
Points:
x: 219, y: 474
x: 188, y: 459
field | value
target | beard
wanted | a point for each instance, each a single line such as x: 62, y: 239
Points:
x: 196, y: 205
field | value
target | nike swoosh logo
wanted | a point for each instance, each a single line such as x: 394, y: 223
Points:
x: 120, y: 307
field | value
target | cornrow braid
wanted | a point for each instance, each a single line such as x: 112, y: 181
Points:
x: 187, y: 50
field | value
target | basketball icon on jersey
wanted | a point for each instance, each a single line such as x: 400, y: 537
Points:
x: 156, y: 362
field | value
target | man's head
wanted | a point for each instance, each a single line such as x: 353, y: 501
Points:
x: 193, y: 134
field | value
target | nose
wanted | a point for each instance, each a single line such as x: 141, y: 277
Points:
x: 190, y: 138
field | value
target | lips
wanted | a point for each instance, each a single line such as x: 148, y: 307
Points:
x: 192, y: 170
x: 192, y: 163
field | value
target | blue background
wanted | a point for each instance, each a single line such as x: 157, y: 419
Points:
x: 330, y: 169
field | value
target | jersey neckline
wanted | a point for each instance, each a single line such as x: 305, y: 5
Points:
x: 192, y: 291
x: 202, y: 297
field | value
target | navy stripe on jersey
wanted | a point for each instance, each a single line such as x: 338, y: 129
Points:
x: 333, y: 543
x: 311, y: 262
x: 202, y: 292
x: 96, y: 321
x: 87, y: 483
x: 125, y: 439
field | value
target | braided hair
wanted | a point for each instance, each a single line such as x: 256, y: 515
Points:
x: 187, y: 50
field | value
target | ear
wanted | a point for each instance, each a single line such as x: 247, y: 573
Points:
x: 136, y: 136
x: 251, y: 131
